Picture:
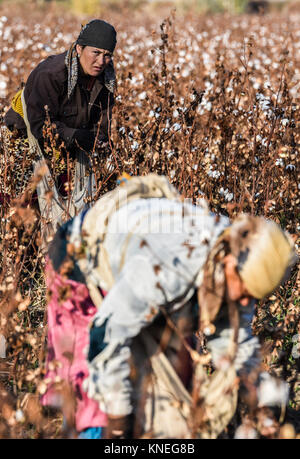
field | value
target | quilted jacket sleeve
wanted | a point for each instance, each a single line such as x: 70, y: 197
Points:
x: 45, y: 92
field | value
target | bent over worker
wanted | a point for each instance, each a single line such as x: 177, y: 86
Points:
x: 160, y: 270
x: 74, y: 91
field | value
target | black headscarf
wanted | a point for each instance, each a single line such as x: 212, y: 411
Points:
x: 101, y: 35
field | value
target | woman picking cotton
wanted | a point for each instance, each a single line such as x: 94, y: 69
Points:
x: 66, y: 108
x: 163, y: 272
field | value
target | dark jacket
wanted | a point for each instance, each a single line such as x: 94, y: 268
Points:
x: 47, y: 86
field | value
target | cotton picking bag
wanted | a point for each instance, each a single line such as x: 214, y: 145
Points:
x: 171, y: 412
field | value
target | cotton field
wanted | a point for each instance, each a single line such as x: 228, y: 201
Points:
x: 211, y: 101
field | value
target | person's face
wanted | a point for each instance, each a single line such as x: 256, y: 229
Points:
x: 236, y: 289
x: 93, y: 60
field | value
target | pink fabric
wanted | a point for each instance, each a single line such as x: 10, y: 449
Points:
x: 70, y: 310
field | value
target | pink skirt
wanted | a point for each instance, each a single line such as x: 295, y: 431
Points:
x: 70, y: 311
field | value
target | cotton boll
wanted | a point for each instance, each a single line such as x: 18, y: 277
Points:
x: 185, y: 73
x: 135, y: 145
x: 19, y: 415
x: 245, y: 432
x: 229, y: 197
x: 142, y: 95
x: 176, y: 127
x: 20, y: 45
x: 271, y: 391
x: 279, y: 162
x: 3, y: 90
x: 2, y: 347
x: 213, y: 173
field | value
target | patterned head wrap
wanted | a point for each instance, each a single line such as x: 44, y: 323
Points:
x: 101, y: 35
